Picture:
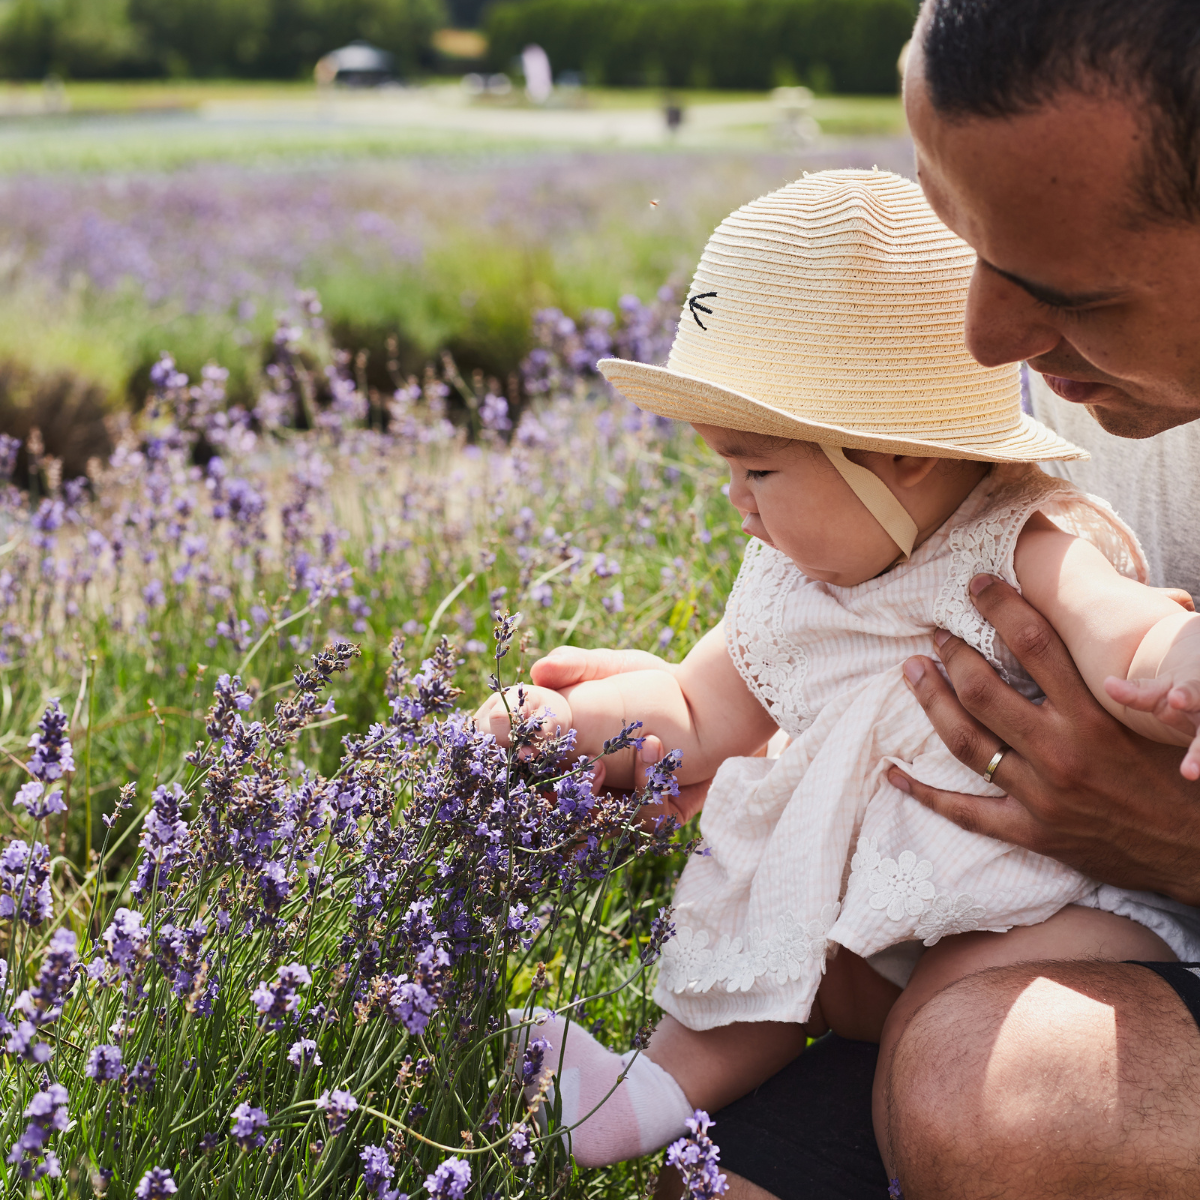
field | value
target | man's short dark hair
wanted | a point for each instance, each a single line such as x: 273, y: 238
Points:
x: 994, y: 58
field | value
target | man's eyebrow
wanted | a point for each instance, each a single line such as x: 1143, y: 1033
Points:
x: 1049, y: 295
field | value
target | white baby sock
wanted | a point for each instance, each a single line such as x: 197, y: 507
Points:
x: 646, y: 1110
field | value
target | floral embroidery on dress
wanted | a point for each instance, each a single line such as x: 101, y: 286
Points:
x: 772, y: 664
x: 949, y: 915
x: 684, y: 958
x: 899, y: 885
x: 688, y: 965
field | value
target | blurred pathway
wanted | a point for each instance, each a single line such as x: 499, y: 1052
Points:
x: 421, y: 120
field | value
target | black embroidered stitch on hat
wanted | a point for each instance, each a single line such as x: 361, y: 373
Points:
x: 694, y: 303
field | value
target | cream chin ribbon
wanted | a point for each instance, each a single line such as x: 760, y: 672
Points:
x: 877, y: 498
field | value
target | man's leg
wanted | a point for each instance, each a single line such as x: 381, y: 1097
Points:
x: 806, y: 1133
x: 1044, y: 1079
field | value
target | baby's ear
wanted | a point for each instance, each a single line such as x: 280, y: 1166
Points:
x: 911, y: 469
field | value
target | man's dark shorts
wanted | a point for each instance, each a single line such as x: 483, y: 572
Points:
x: 806, y: 1134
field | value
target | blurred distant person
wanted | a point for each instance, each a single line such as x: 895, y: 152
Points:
x: 539, y: 83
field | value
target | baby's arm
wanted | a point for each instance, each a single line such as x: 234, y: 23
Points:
x: 702, y: 708
x: 1137, y: 649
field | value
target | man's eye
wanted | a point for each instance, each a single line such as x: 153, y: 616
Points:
x: 758, y: 474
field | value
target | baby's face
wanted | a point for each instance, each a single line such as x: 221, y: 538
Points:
x: 791, y: 497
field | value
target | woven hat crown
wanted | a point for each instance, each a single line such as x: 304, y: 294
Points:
x: 833, y: 309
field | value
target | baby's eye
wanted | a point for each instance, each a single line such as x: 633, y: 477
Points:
x: 758, y: 474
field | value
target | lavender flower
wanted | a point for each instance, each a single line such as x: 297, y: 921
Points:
x: 247, y: 1124
x: 165, y: 839
x: 337, y: 1105
x: 894, y: 1190
x: 8, y: 456
x: 180, y: 953
x: 103, y: 1064
x: 30, y: 798
x: 47, y: 1113
x: 520, y: 1152
x: 141, y: 1077
x: 25, y: 882
x: 42, y: 1003
x: 695, y: 1157
x: 450, y: 1181
x: 23, y: 1043
x: 533, y: 1061
x: 377, y: 1173
x: 278, y: 1001
x: 156, y: 1184
x: 52, y: 753
x: 304, y: 1054
x: 125, y: 948
x: 662, y: 929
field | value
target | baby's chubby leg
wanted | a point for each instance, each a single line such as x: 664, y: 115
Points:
x: 622, y: 1106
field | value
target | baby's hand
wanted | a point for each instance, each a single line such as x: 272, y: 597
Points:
x: 493, y: 717
x: 1173, y: 698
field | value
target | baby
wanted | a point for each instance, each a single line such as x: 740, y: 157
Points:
x: 877, y: 469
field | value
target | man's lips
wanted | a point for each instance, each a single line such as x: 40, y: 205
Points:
x: 1077, y: 391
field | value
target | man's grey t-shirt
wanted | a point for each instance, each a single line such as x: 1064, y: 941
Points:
x: 1154, y: 484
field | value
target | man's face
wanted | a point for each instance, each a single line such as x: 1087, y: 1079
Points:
x: 1107, y: 308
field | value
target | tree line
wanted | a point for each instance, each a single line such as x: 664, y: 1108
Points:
x: 832, y: 45
x: 279, y: 39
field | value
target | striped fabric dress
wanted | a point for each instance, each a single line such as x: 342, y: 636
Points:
x: 815, y: 849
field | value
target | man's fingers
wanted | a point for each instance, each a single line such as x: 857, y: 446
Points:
x: 1034, y: 642
x: 999, y: 817
x: 567, y: 665
x: 970, y: 741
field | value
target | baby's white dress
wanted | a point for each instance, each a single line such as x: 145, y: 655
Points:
x: 816, y: 847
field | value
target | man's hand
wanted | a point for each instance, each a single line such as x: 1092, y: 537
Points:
x: 1082, y: 788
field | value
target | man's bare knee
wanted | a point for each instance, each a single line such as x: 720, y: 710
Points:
x: 1045, y: 1080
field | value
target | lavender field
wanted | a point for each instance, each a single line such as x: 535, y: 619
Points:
x: 266, y: 894
x: 102, y: 271
x: 339, y: 463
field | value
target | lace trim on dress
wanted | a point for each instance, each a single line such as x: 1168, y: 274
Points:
x: 689, y: 963
x: 772, y: 664
x: 986, y: 545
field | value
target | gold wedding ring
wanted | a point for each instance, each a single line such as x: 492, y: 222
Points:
x: 990, y: 769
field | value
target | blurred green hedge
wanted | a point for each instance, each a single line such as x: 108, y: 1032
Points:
x: 848, y: 46
x: 281, y: 39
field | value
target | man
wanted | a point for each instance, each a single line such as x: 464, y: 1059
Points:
x: 1061, y: 139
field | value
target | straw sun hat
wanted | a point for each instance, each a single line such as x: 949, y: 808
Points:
x: 831, y: 311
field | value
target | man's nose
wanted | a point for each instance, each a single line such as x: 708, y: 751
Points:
x: 1004, y: 323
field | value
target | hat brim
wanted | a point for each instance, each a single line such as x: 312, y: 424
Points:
x: 668, y: 393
